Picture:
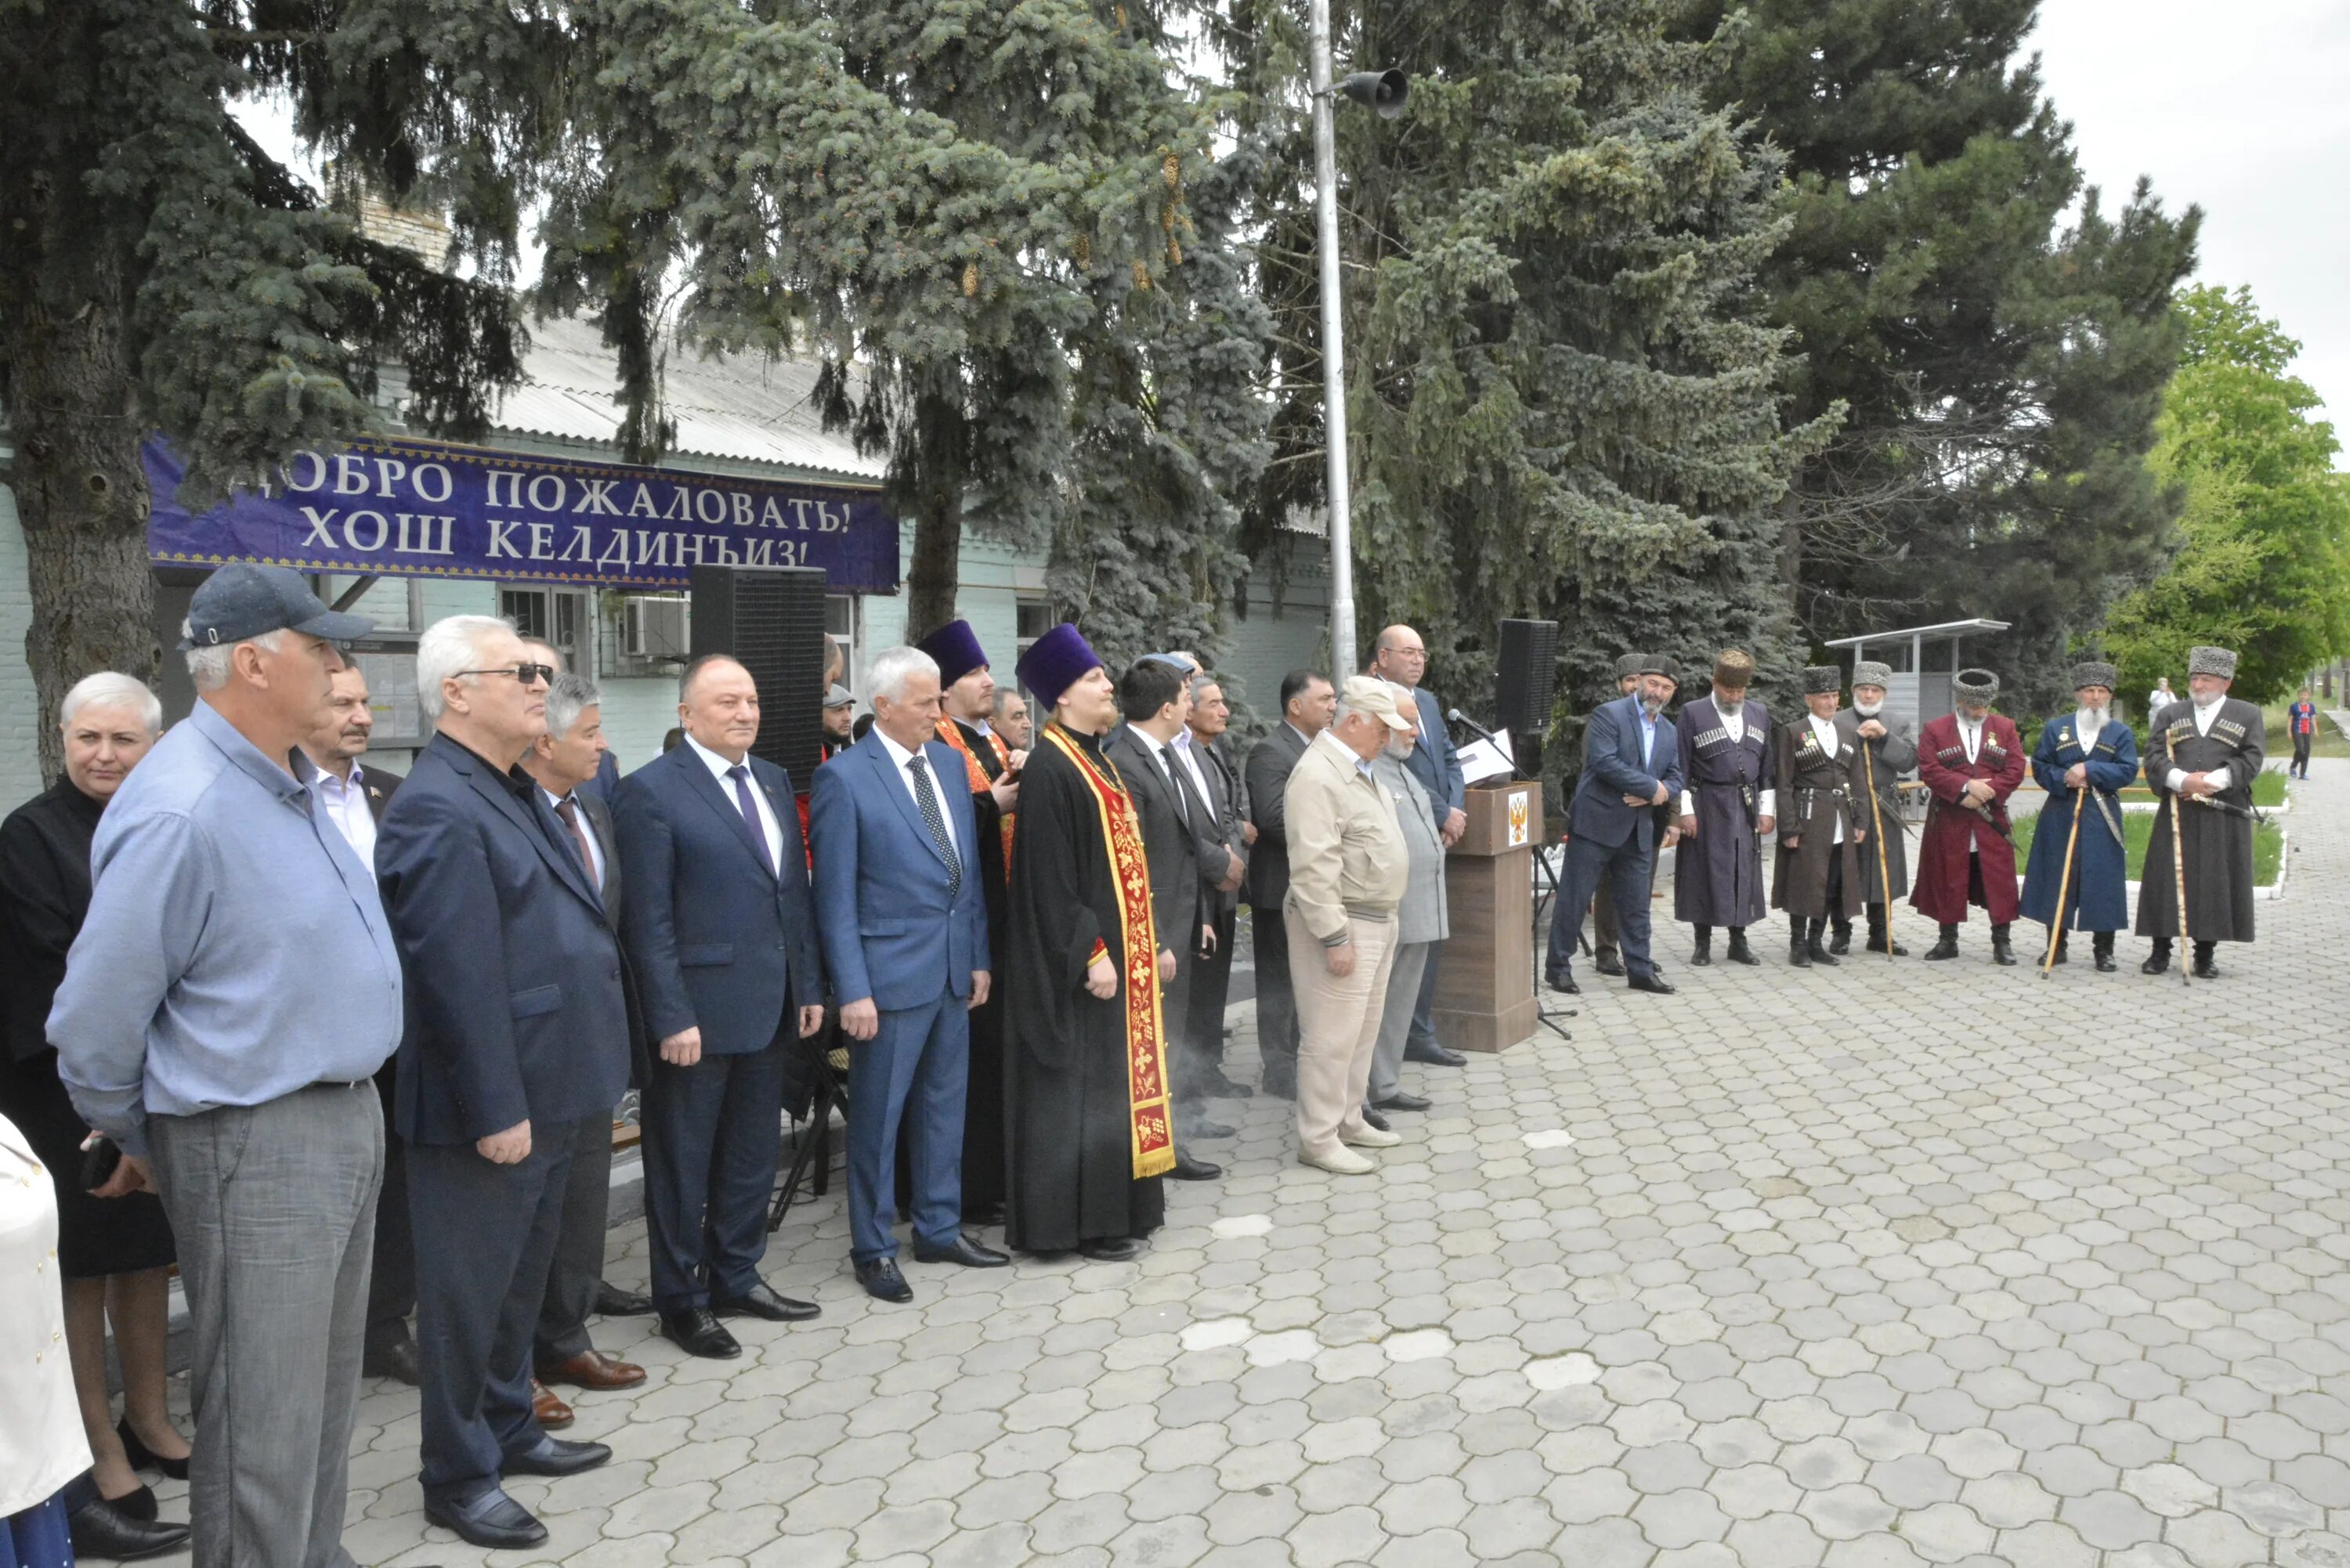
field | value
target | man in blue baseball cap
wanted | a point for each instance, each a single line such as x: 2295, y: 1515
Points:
x: 222, y: 1015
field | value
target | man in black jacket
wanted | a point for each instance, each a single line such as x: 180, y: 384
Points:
x: 1227, y: 835
x: 489, y: 902
x: 1309, y: 703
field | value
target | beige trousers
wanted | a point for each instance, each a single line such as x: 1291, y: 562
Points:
x: 1337, y: 1028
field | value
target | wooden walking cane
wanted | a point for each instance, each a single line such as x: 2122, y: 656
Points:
x: 2178, y: 881
x: 2065, y: 882
x: 1876, y: 826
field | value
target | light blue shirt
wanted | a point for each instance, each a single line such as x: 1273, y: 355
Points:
x: 1647, y: 733
x: 235, y: 950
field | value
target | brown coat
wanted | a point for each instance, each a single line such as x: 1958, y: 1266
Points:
x: 1813, y: 798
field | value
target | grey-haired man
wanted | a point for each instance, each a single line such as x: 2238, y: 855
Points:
x: 2201, y: 756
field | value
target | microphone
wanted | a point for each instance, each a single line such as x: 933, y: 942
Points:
x: 1465, y: 721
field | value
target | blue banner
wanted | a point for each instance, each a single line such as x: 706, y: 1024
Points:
x: 420, y: 508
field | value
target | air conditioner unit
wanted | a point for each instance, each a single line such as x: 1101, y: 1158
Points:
x: 658, y: 626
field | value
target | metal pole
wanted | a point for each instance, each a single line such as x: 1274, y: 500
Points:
x: 1334, y: 354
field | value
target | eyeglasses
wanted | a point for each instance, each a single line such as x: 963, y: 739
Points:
x: 525, y: 674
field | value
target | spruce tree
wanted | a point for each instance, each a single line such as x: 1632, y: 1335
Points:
x: 1563, y: 396
x: 2000, y: 341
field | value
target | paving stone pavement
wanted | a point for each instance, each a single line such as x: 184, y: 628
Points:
x: 1885, y: 1264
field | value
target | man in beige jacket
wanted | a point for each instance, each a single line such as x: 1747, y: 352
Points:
x: 1348, y: 865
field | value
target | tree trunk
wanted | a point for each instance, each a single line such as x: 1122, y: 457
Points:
x: 82, y: 496
x: 940, y: 439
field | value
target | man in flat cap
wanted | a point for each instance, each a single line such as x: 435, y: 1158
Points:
x: 839, y: 713
x: 1606, y: 939
x: 1724, y: 742
x: 1817, y: 872
x: 2084, y: 759
x: 1088, y: 1128
x: 1881, y: 752
x: 1973, y: 761
x: 992, y: 774
x: 2205, y: 752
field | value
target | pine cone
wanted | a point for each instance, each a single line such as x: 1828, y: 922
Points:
x: 1141, y: 274
x: 1173, y: 171
x: 970, y: 279
x: 1085, y: 250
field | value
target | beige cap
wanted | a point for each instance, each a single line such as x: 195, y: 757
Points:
x: 1370, y: 694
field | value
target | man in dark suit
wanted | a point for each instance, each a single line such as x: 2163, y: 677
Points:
x: 353, y: 796
x: 562, y: 763
x: 905, y: 940
x: 1153, y: 699
x: 722, y: 935
x: 1401, y: 657
x: 1631, y: 765
x: 1201, y: 747
x: 1309, y: 703
x: 489, y: 902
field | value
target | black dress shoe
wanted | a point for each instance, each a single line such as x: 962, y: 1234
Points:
x: 1189, y: 1170
x: 1607, y: 963
x: 1217, y: 1087
x: 142, y: 1458
x: 396, y: 1361
x: 1281, y: 1083
x: 2205, y: 969
x: 1739, y: 952
x: 1702, y: 950
x: 985, y: 1213
x: 697, y: 1332
x: 1653, y: 983
x: 493, y: 1520
x: 966, y: 1252
x: 1841, y: 943
x: 2106, y: 965
x: 1560, y: 980
x: 1876, y: 945
x: 2156, y: 962
x: 1818, y: 953
x: 1401, y: 1101
x: 1371, y: 1118
x: 2003, y: 952
x: 882, y: 1282
x: 555, y: 1457
x: 1110, y: 1249
x: 1797, y: 954
x: 1944, y: 948
x: 1434, y: 1056
x: 762, y: 1302
x: 100, y: 1529
x: 611, y: 1301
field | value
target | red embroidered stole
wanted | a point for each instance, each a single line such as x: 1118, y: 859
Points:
x: 1153, y: 1134
x: 950, y: 732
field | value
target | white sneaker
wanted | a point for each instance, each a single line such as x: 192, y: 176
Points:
x: 1369, y: 1137
x: 1340, y: 1162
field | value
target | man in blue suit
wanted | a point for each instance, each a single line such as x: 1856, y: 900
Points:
x: 1401, y: 657
x: 1631, y: 764
x: 518, y: 1032
x: 722, y: 934
x: 905, y: 940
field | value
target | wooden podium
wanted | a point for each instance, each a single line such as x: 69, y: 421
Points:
x: 1485, y: 981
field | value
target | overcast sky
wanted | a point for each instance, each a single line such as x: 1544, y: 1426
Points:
x: 2243, y: 108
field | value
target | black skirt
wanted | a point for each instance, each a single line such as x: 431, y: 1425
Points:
x: 96, y: 1236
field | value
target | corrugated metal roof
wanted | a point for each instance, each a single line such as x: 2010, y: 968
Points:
x: 738, y: 406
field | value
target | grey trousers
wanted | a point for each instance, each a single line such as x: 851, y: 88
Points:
x: 1395, y: 1023
x: 274, y: 1210
x: 577, y: 1267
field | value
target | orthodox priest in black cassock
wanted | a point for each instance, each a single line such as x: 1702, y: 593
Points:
x: 1087, y: 1125
x: 2222, y: 742
x: 992, y: 770
x: 1725, y: 747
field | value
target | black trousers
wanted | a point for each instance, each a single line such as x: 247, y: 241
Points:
x: 391, y: 1289
x: 1276, y: 1002
x: 577, y: 1265
x: 1623, y: 868
x: 1211, y: 984
x: 479, y: 1288
x: 713, y: 1134
x: 2300, y: 755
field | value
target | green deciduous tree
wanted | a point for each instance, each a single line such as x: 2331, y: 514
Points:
x: 2000, y: 343
x: 1564, y: 396
x: 2263, y: 566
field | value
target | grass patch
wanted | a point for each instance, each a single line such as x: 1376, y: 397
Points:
x: 2137, y: 831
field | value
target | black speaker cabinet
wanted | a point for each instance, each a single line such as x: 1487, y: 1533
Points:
x: 772, y: 622
x: 1525, y: 675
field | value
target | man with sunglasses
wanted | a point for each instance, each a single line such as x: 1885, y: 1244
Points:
x: 518, y: 1030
